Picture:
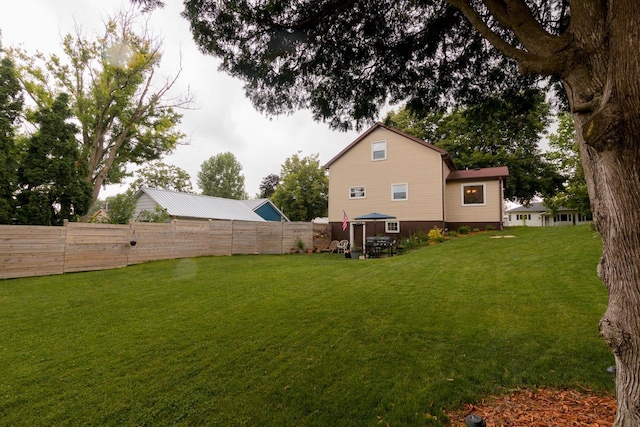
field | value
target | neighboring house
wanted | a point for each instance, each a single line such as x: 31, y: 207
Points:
x: 192, y: 206
x: 266, y: 209
x: 537, y: 215
x: 388, y: 171
x: 101, y: 215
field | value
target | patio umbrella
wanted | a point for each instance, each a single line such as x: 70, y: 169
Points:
x: 374, y: 216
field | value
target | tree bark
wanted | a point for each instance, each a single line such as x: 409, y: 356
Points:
x: 605, y: 97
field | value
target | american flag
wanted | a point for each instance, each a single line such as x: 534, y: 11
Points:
x: 345, y: 220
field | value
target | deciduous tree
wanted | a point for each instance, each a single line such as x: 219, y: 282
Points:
x: 268, y: 186
x: 343, y: 59
x: 161, y: 175
x: 221, y: 176
x: 501, y: 131
x: 123, y: 108
x: 121, y: 207
x: 564, y: 151
x: 302, y: 193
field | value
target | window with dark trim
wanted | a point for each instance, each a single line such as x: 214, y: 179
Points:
x: 473, y: 194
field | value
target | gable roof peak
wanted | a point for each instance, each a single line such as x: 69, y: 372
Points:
x: 379, y: 125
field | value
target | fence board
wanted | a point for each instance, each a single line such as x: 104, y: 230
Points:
x: 245, y: 239
x: 31, y: 250
x: 95, y: 246
x: 36, y: 250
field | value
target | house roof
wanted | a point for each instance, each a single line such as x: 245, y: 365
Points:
x: 443, y: 153
x: 484, y: 173
x: 256, y: 204
x: 537, y: 207
x: 196, y: 206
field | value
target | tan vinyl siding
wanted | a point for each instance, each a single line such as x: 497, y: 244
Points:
x: 489, y: 212
x: 420, y: 167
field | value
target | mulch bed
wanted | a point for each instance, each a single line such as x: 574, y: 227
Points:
x: 542, y: 408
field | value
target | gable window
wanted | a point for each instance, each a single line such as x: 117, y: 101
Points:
x: 379, y: 150
x: 357, y: 192
x: 473, y: 194
x: 392, y: 227
x: 399, y: 192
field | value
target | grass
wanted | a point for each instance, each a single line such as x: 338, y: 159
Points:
x: 305, y: 340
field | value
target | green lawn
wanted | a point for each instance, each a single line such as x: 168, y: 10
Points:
x: 305, y: 340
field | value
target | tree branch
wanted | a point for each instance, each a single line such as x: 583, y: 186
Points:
x: 532, y: 61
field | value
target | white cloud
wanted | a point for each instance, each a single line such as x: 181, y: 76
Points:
x: 224, y: 120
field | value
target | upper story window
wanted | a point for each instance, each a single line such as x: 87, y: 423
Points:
x: 357, y: 192
x: 473, y: 194
x: 379, y: 150
x: 399, y: 192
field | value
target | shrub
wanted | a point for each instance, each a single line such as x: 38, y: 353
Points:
x: 435, y: 235
x: 452, y: 233
x: 489, y: 228
x: 476, y: 230
x: 464, y: 229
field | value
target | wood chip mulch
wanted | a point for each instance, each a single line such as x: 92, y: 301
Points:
x: 542, y: 408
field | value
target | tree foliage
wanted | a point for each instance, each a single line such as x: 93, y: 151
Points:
x: 121, y: 207
x: 51, y: 173
x: 343, y: 59
x: 268, y: 186
x: 221, y: 176
x: 124, y: 113
x: 564, y: 152
x: 501, y: 131
x: 302, y: 193
x: 11, y: 104
x: 161, y: 175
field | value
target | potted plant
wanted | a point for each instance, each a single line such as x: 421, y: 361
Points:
x: 356, y: 251
x: 300, y: 245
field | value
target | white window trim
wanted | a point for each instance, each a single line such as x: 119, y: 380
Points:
x: 385, y: 150
x: 484, y: 193
x: 386, y: 226
x: 364, y: 189
x: 406, y: 192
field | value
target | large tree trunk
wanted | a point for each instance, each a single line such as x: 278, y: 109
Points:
x: 605, y: 97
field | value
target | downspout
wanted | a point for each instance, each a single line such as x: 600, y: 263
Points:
x: 501, y: 205
x: 444, y: 195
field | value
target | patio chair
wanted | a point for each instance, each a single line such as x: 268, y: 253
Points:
x: 343, y: 245
x: 333, y: 247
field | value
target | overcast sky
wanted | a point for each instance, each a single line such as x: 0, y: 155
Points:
x: 224, y: 119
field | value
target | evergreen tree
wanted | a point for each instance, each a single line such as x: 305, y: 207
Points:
x: 11, y: 103
x: 51, y: 173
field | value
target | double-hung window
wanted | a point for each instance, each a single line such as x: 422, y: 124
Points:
x: 378, y: 150
x: 399, y: 192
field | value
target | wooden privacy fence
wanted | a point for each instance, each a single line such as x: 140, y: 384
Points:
x: 38, y: 250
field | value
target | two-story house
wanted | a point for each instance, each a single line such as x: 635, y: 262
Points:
x: 388, y: 171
